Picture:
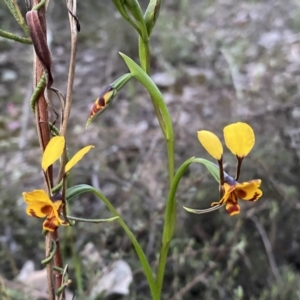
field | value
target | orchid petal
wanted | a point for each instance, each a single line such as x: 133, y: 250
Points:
x: 211, y: 143
x: 249, y: 190
x: 39, y: 210
x: 239, y: 138
x: 37, y: 196
x: 77, y: 157
x: 53, y: 151
x: 51, y: 223
x: 232, y: 208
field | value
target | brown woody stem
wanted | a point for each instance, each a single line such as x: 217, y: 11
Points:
x: 42, y: 124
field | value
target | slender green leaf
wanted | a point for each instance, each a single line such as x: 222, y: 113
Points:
x: 84, y: 188
x: 155, y: 94
x: 211, y: 167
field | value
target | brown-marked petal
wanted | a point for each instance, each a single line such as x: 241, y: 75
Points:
x: 53, y: 151
x: 239, y: 138
x: 249, y: 191
x: 39, y: 205
x: 211, y: 143
x: 232, y: 208
x: 51, y: 223
x: 227, y: 192
x: 38, y: 210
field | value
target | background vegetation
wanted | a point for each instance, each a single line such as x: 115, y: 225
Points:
x: 216, y: 62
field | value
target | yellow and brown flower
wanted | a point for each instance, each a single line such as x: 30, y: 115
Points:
x: 239, y: 139
x: 248, y: 191
x: 40, y: 206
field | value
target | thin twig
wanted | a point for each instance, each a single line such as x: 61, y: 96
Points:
x: 199, y: 278
x: 71, y: 4
x: 268, y: 248
x: 235, y: 74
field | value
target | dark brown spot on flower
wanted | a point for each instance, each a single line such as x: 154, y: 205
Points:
x: 233, y: 209
x: 46, y: 209
x: 50, y: 224
x: 101, y: 102
x: 255, y: 197
x: 98, y: 105
x: 242, y: 194
x: 32, y: 213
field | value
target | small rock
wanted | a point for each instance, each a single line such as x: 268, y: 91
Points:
x: 9, y: 75
x: 164, y: 79
x: 115, y: 280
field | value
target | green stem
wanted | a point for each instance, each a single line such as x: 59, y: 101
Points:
x: 162, y: 113
x: 14, y: 37
x: 170, y: 214
x: 57, y: 187
x: 76, y: 263
x: 170, y: 151
x: 38, y: 6
x: 144, y: 54
x: 169, y: 225
x: 79, y: 189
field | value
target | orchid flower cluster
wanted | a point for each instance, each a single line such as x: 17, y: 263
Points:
x: 40, y: 205
x: 239, y: 139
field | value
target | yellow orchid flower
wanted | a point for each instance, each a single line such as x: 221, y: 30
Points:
x: 39, y: 204
x: 234, y: 190
x: 239, y: 139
